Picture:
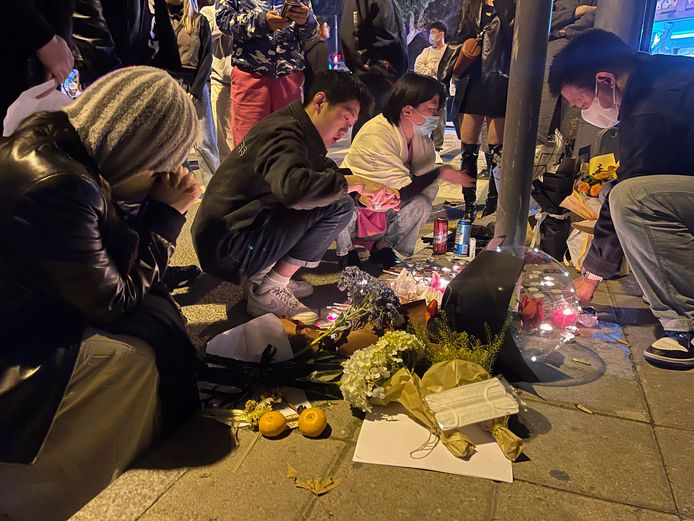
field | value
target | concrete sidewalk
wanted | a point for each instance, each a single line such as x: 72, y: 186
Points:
x: 632, y: 459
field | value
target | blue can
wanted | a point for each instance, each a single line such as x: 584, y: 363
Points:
x: 462, y: 238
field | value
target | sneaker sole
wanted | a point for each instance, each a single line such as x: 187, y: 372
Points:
x: 662, y: 361
x: 303, y: 294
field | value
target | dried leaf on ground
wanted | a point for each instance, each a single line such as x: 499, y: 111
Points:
x: 317, y: 486
x: 291, y: 472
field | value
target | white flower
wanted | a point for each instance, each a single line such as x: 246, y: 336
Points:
x: 368, y: 369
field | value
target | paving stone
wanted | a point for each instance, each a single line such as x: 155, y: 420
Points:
x: 343, y: 424
x: 678, y: 453
x: 596, y: 371
x: 528, y: 502
x: 199, y: 442
x: 251, y: 483
x: 632, y: 310
x: 378, y: 492
x: 603, y: 457
x: 624, y: 285
x: 668, y: 393
x: 129, y: 496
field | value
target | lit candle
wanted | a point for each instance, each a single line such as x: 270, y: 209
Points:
x: 564, y: 317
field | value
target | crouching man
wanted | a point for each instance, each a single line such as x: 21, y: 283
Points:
x: 277, y: 202
x: 650, y: 211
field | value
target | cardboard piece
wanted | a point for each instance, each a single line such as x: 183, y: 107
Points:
x: 390, y: 437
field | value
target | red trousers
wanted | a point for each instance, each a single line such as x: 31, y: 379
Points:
x: 253, y: 97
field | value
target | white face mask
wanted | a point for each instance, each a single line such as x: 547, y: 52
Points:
x: 427, y: 127
x: 433, y: 40
x: 599, y: 116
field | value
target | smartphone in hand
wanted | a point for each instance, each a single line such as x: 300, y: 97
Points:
x: 288, y: 4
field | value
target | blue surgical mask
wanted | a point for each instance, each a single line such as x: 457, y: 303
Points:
x: 427, y: 127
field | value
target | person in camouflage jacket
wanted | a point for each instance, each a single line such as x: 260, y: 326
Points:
x: 268, y: 56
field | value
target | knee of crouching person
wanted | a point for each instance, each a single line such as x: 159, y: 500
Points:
x: 345, y: 208
x: 623, y: 195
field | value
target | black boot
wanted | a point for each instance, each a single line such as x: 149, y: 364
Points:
x: 180, y: 276
x: 468, y: 162
x: 493, y: 160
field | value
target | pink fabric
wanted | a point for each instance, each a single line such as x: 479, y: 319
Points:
x: 370, y: 223
x: 253, y: 97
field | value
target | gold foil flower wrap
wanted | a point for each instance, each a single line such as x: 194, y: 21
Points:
x: 409, y: 390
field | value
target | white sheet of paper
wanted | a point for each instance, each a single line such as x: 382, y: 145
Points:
x: 388, y: 436
x: 248, y: 341
x: 296, y: 397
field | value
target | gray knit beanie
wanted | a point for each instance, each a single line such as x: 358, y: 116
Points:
x: 135, y: 119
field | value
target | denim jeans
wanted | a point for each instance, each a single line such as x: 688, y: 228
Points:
x: 403, y: 226
x: 299, y: 237
x: 206, y: 143
x: 654, y: 220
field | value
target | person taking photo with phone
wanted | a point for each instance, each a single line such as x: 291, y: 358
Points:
x: 268, y: 56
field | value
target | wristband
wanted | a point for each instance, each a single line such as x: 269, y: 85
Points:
x: 590, y: 276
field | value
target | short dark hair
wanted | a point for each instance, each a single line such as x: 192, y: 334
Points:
x: 439, y: 26
x: 583, y: 58
x: 412, y: 89
x: 340, y: 86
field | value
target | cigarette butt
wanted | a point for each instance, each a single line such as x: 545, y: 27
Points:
x: 579, y: 361
x: 388, y: 272
x: 584, y: 409
x: 623, y: 342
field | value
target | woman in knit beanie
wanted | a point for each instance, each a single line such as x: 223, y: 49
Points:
x: 95, y: 361
x: 135, y: 120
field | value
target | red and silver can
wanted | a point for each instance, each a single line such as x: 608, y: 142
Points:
x: 440, y: 244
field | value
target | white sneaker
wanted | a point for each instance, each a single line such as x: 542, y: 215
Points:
x: 300, y: 288
x: 280, y: 302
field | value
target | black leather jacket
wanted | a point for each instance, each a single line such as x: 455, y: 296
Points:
x: 110, y: 34
x: 67, y: 261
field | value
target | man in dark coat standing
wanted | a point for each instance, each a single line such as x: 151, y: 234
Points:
x: 374, y: 44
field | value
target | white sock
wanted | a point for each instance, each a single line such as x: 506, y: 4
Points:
x: 273, y: 279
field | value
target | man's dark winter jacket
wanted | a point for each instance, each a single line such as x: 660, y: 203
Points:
x: 280, y: 163
x: 373, y: 38
x: 564, y: 21
x: 110, y: 34
x: 656, y: 136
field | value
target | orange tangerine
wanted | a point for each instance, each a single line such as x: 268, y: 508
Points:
x: 272, y: 424
x: 312, y: 422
